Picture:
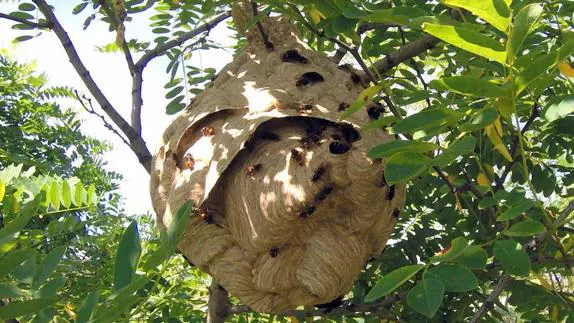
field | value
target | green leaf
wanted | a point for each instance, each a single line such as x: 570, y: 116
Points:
x: 524, y: 22
x: 426, y: 296
x: 512, y: 256
x: 455, y: 248
x: 128, y: 290
x: 392, y: 281
x: 532, y: 70
x: 87, y: 307
x: 66, y: 194
x: 127, y: 257
x: 24, y: 272
x: 51, y: 287
x: 516, y: 210
x: 462, y: 146
x: 426, y: 119
x: 11, y: 230
x: 55, y: 196
x: 173, y: 92
x: 380, y: 123
x: 2, y: 190
x: 17, y: 309
x: 9, y: 291
x: 486, y: 202
x: 558, y: 110
x: 404, y: 166
x: 79, y: 194
x: 495, y: 12
x: 115, y: 312
x: 362, y: 98
x: 48, y: 265
x: 469, y: 40
x: 178, y: 224
x: 455, y: 278
x: 403, y: 15
x: 469, y: 86
x: 77, y: 9
x: 26, y: 7
x: 473, y: 257
x: 524, y: 229
x: 175, y: 105
x: 91, y: 196
x: 483, y: 118
x: 389, y: 148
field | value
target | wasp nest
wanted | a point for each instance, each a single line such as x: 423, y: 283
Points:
x: 288, y: 205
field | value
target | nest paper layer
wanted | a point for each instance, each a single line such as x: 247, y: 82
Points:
x: 289, y: 206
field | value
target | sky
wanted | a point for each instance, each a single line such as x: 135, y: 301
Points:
x: 110, y: 72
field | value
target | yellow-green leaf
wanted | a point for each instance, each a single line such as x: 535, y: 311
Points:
x: 525, y: 21
x: 470, y: 86
x: 2, y: 190
x: 404, y: 166
x: 495, y: 12
x: 389, y: 148
x: 469, y: 40
x: 66, y: 194
x: 55, y: 196
x: 362, y: 98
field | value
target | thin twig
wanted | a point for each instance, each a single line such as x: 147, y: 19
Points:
x: 262, y: 31
x: 137, y: 143
x: 338, y: 56
x: 90, y: 109
x: 533, y: 115
x: 488, y: 304
x: 25, y: 21
x: 353, y: 50
x: 416, y: 67
x: 158, y: 51
x: 115, y: 23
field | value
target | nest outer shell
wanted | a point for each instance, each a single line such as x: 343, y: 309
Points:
x: 319, y: 256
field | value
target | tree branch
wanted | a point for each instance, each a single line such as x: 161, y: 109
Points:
x: 488, y: 304
x: 352, y: 50
x: 405, y: 52
x: 218, y: 304
x: 137, y: 143
x: 137, y: 76
x: 348, y: 308
x: 25, y: 21
x: 90, y: 109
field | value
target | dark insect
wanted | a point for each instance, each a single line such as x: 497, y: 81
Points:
x: 319, y: 173
x: 382, y: 181
x: 252, y: 169
x: 273, y: 252
x: 208, y: 131
x: 339, y: 147
x: 343, y: 106
x: 328, y: 307
x: 188, y: 162
x: 324, y: 193
x: 375, y: 111
x: 309, y: 78
x: 249, y: 145
x: 293, y: 56
x: 391, y: 193
x: 396, y: 213
x: 267, y: 135
x: 355, y: 78
x: 348, y: 132
x: 297, y: 156
x: 305, y: 108
x: 307, y: 211
x: 174, y: 156
x: 336, y: 137
x: 204, y: 215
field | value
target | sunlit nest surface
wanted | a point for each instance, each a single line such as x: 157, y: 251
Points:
x: 288, y: 205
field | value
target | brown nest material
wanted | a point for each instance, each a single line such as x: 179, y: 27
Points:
x: 288, y: 205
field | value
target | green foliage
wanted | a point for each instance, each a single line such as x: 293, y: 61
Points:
x: 484, y: 121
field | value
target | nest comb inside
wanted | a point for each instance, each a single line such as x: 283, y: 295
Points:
x: 288, y: 205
